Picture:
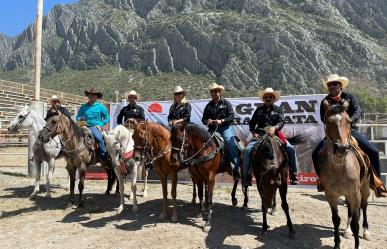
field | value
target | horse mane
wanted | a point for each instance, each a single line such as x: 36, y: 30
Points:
x: 198, y: 131
x: 159, y: 128
x: 77, y: 130
x: 336, y: 109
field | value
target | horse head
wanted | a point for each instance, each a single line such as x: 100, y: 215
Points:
x: 54, y: 126
x: 337, y: 127
x: 178, y: 140
x: 22, y: 119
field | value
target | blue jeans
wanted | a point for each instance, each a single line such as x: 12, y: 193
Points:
x: 368, y: 148
x: 228, y: 136
x: 289, y: 150
x: 99, y: 140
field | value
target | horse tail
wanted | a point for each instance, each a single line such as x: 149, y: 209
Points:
x: 296, y: 139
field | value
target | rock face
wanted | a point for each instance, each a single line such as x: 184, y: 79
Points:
x: 287, y: 44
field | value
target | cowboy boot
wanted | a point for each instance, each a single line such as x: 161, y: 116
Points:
x: 380, y: 192
x: 293, y: 179
x: 320, y: 187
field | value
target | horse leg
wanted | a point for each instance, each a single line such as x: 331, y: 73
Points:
x: 274, y: 205
x: 110, y: 181
x: 234, y: 200
x: 38, y: 166
x: 193, y: 201
x: 200, y: 194
x: 348, y: 231
x: 335, y: 219
x: 364, y: 204
x: 164, y: 183
x: 134, y: 187
x: 246, y: 195
x: 81, y: 184
x: 145, y: 176
x: 51, y: 167
x: 209, y: 193
x: 284, y: 204
x: 173, y: 193
x: 355, y: 209
x: 115, y: 179
x: 72, y: 171
x: 120, y: 183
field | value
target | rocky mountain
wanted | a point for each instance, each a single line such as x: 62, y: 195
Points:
x: 244, y: 44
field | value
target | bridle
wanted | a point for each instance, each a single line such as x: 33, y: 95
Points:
x: 20, y: 122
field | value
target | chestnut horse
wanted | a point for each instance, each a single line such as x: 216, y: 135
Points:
x: 270, y: 167
x: 194, y: 147
x: 152, y: 145
x: 341, y: 173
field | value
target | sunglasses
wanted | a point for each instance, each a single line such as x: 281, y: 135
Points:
x: 333, y: 84
x: 268, y: 97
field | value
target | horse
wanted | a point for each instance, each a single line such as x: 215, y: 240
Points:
x: 341, y: 173
x: 269, y: 163
x: 194, y: 147
x: 120, y: 145
x: 42, y: 152
x: 76, y: 150
x: 152, y: 145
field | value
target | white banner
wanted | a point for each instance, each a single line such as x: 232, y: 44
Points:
x: 302, y: 117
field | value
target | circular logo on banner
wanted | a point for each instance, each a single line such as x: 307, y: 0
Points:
x: 155, y: 108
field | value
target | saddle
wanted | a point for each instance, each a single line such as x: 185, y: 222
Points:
x: 226, y: 155
x: 365, y: 167
x: 90, y: 143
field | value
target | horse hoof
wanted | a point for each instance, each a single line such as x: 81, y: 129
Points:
x: 174, y: 218
x: 292, y: 235
x: 145, y: 194
x: 134, y: 209
x: 348, y: 234
x: 107, y: 192
x: 207, y: 229
x: 367, y: 236
x: 33, y: 195
x: 117, y: 192
x: 48, y: 195
x: 162, y: 216
x: 273, y: 212
x: 80, y: 205
x: 193, y: 202
x: 235, y: 202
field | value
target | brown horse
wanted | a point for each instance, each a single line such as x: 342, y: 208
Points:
x: 194, y: 147
x: 340, y: 172
x: 152, y: 145
x: 76, y: 152
x: 270, y: 167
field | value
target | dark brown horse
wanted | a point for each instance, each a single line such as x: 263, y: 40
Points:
x: 340, y: 172
x: 270, y: 167
x: 194, y: 147
x: 153, y: 146
x: 76, y: 152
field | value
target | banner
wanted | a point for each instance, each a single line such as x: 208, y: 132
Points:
x: 302, y: 117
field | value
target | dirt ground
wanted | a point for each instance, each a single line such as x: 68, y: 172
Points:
x: 51, y: 223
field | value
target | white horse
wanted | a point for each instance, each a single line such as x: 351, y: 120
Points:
x: 49, y: 152
x: 120, y: 145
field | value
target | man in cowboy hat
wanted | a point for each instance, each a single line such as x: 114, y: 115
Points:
x: 268, y: 116
x: 335, y: 85
x: 56, y: 108
x: 96, y: 116
x: 180, y: 110
x: 132, y: 110
x: 218, y: 115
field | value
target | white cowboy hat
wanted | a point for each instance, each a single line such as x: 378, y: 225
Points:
x: 54, y: 97
x: 269, y: 90
x: 134, y: 93
x: 335, y: 77
x: 178, y: 89
x: 213, y: 86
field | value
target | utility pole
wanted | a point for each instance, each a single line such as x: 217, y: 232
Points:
x: 36, y: 103
x: 117, y: 93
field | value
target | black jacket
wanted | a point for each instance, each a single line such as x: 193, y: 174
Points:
x: 223, y: 110
x: 136, y: 112
x: 354, y: 110
x: 267, y: 116
x: 182, y: 111
x: 51, y: 113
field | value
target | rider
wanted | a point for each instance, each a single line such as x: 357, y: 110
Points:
x: 335, y: 85
x: 269, y: 115
x: 132, y: 110
x: 180, y: 110
x: 56, y: 108
x: 218, y: 115
x: 96, y: 116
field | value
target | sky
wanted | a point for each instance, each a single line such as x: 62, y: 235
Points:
x: 16, y: 15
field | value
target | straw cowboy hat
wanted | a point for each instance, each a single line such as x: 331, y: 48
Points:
x: 269, y: 90
x: 134, y: 93
x: 93, y: 90
x: 213, y: 86
x: 179, y: 89
x: 336, y: 78
x: 55, y: 98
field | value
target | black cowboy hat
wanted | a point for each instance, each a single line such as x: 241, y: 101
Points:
x: 94, y: 91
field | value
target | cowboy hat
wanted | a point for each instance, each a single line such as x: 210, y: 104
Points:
x: 134, y: 93
x: 55, y: 98
x: 336, y: 78
x: 269, y: 90
x: 93, y: 90
x: 178, y: 89
x: 213, y: 86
